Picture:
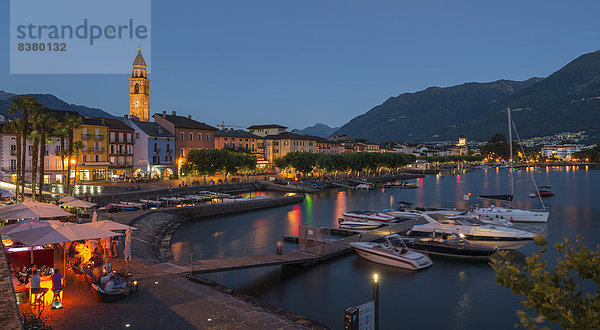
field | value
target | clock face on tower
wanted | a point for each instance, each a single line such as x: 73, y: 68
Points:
x: 136, y: 103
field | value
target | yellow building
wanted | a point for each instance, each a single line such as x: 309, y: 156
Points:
x: 371, y: 147
x: 92, y: 163
x: 139, y: 89
x: 264, y: 130
x: 279, y: 145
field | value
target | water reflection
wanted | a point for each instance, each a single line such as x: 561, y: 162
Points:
x: 463, y: 295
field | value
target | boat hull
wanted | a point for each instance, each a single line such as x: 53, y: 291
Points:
x: 387, y: 259
x: 358, y: 226
x: 513, y: 215
x: 469, y: 251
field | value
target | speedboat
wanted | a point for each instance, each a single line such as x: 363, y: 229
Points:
x: 367, y: 215
x: 385, y: 253
x: 364, y: 186
x: 358, y: 224
x: 543, y: 192
x: 515, y: 215
x: 447, y: 247
x: 152, y: 203
x: 473, y: 230
x: 400, y: 184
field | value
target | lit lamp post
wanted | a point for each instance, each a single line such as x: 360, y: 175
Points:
x: 376, y: 299
x: 74, y: 163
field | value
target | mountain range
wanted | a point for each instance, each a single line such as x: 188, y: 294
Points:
x: 566, y: 101
x: 318, y: 129
x: 52, y: 102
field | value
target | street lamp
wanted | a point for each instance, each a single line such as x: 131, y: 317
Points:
x: 376, y: 299
x: 74, y: 162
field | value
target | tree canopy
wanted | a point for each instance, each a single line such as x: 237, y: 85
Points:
x: 305, y: 162
x: 207, y: 162
x: 567, y: 293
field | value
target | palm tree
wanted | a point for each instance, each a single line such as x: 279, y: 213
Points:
x: 71, y: 123
x: 34, y: 138
x: 14, y: 127
x: 62, y: 132
x: 19, y: 104
x: 45, y: 123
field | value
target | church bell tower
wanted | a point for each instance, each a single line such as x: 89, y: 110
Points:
x: 139, y: 89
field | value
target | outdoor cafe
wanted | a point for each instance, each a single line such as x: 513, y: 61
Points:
x: 40, y: 251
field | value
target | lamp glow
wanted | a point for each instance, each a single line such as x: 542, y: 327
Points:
x: 375, y: 277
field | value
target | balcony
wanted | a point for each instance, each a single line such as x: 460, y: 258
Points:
x: 92, y: 163
x: 169, y: 152
x: 156, y: 151
x: 92, y: 136
x: 13, y: 152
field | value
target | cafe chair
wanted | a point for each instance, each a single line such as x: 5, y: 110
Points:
x: 38, y: 297
x: 57, y: 300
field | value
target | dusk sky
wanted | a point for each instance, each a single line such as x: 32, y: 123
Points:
x: 297, y: 63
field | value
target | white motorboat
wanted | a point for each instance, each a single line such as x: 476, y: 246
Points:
x: 364, y: 186
x: 358, y: 224
x: 367, y: 215
x: 515, y: 215
x: 385, y: 253
x: 473, y: 230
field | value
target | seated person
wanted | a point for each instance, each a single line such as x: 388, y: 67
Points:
x: 97, y: 272
x: 58, y: 280
x: 112, y: 287
x: 118, y: 281
x: 35, y: 283
x: 105, y: 279
x: 107, y: 266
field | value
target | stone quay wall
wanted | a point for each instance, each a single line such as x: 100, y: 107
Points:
x: 155, y: 228
x: 9, y: 317
x: 132, y: 196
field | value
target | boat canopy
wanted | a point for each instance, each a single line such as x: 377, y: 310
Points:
x: 506, y: 198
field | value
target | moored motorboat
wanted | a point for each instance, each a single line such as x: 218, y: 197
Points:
x: 446, y: 247
x: 473, y: 230
x: 367, y: 215
x: 515, y: 215
x: 543, y: 192
x: 358, y: 224
x: 385, y: 253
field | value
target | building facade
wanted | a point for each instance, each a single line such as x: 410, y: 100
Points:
x: 328, y: 147
x: 189, y: 133
x: 563, y: 151
x: 154, y: 152
x: 279, y: 145
x: 236, y: 140
x: 92, y: 162
x: 264, y: 130
x: 139, y: 89
x: 121, y: 144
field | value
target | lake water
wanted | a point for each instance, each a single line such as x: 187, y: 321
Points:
x: 450, y: 294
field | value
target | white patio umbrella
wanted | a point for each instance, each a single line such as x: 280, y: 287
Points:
x: 79, y: 203
x: 26, y: 225
x: 32, y: 210
x: 95, y: 216
x: 108, y: 225
x: 60, y: 233
x: 67, y: 199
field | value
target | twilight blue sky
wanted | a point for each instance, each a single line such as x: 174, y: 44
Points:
x: 300, y: 62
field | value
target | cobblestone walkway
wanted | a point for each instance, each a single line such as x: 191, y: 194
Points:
x: 164, y: 301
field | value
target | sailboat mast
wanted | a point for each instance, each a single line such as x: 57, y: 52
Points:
x: 512, y: 188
